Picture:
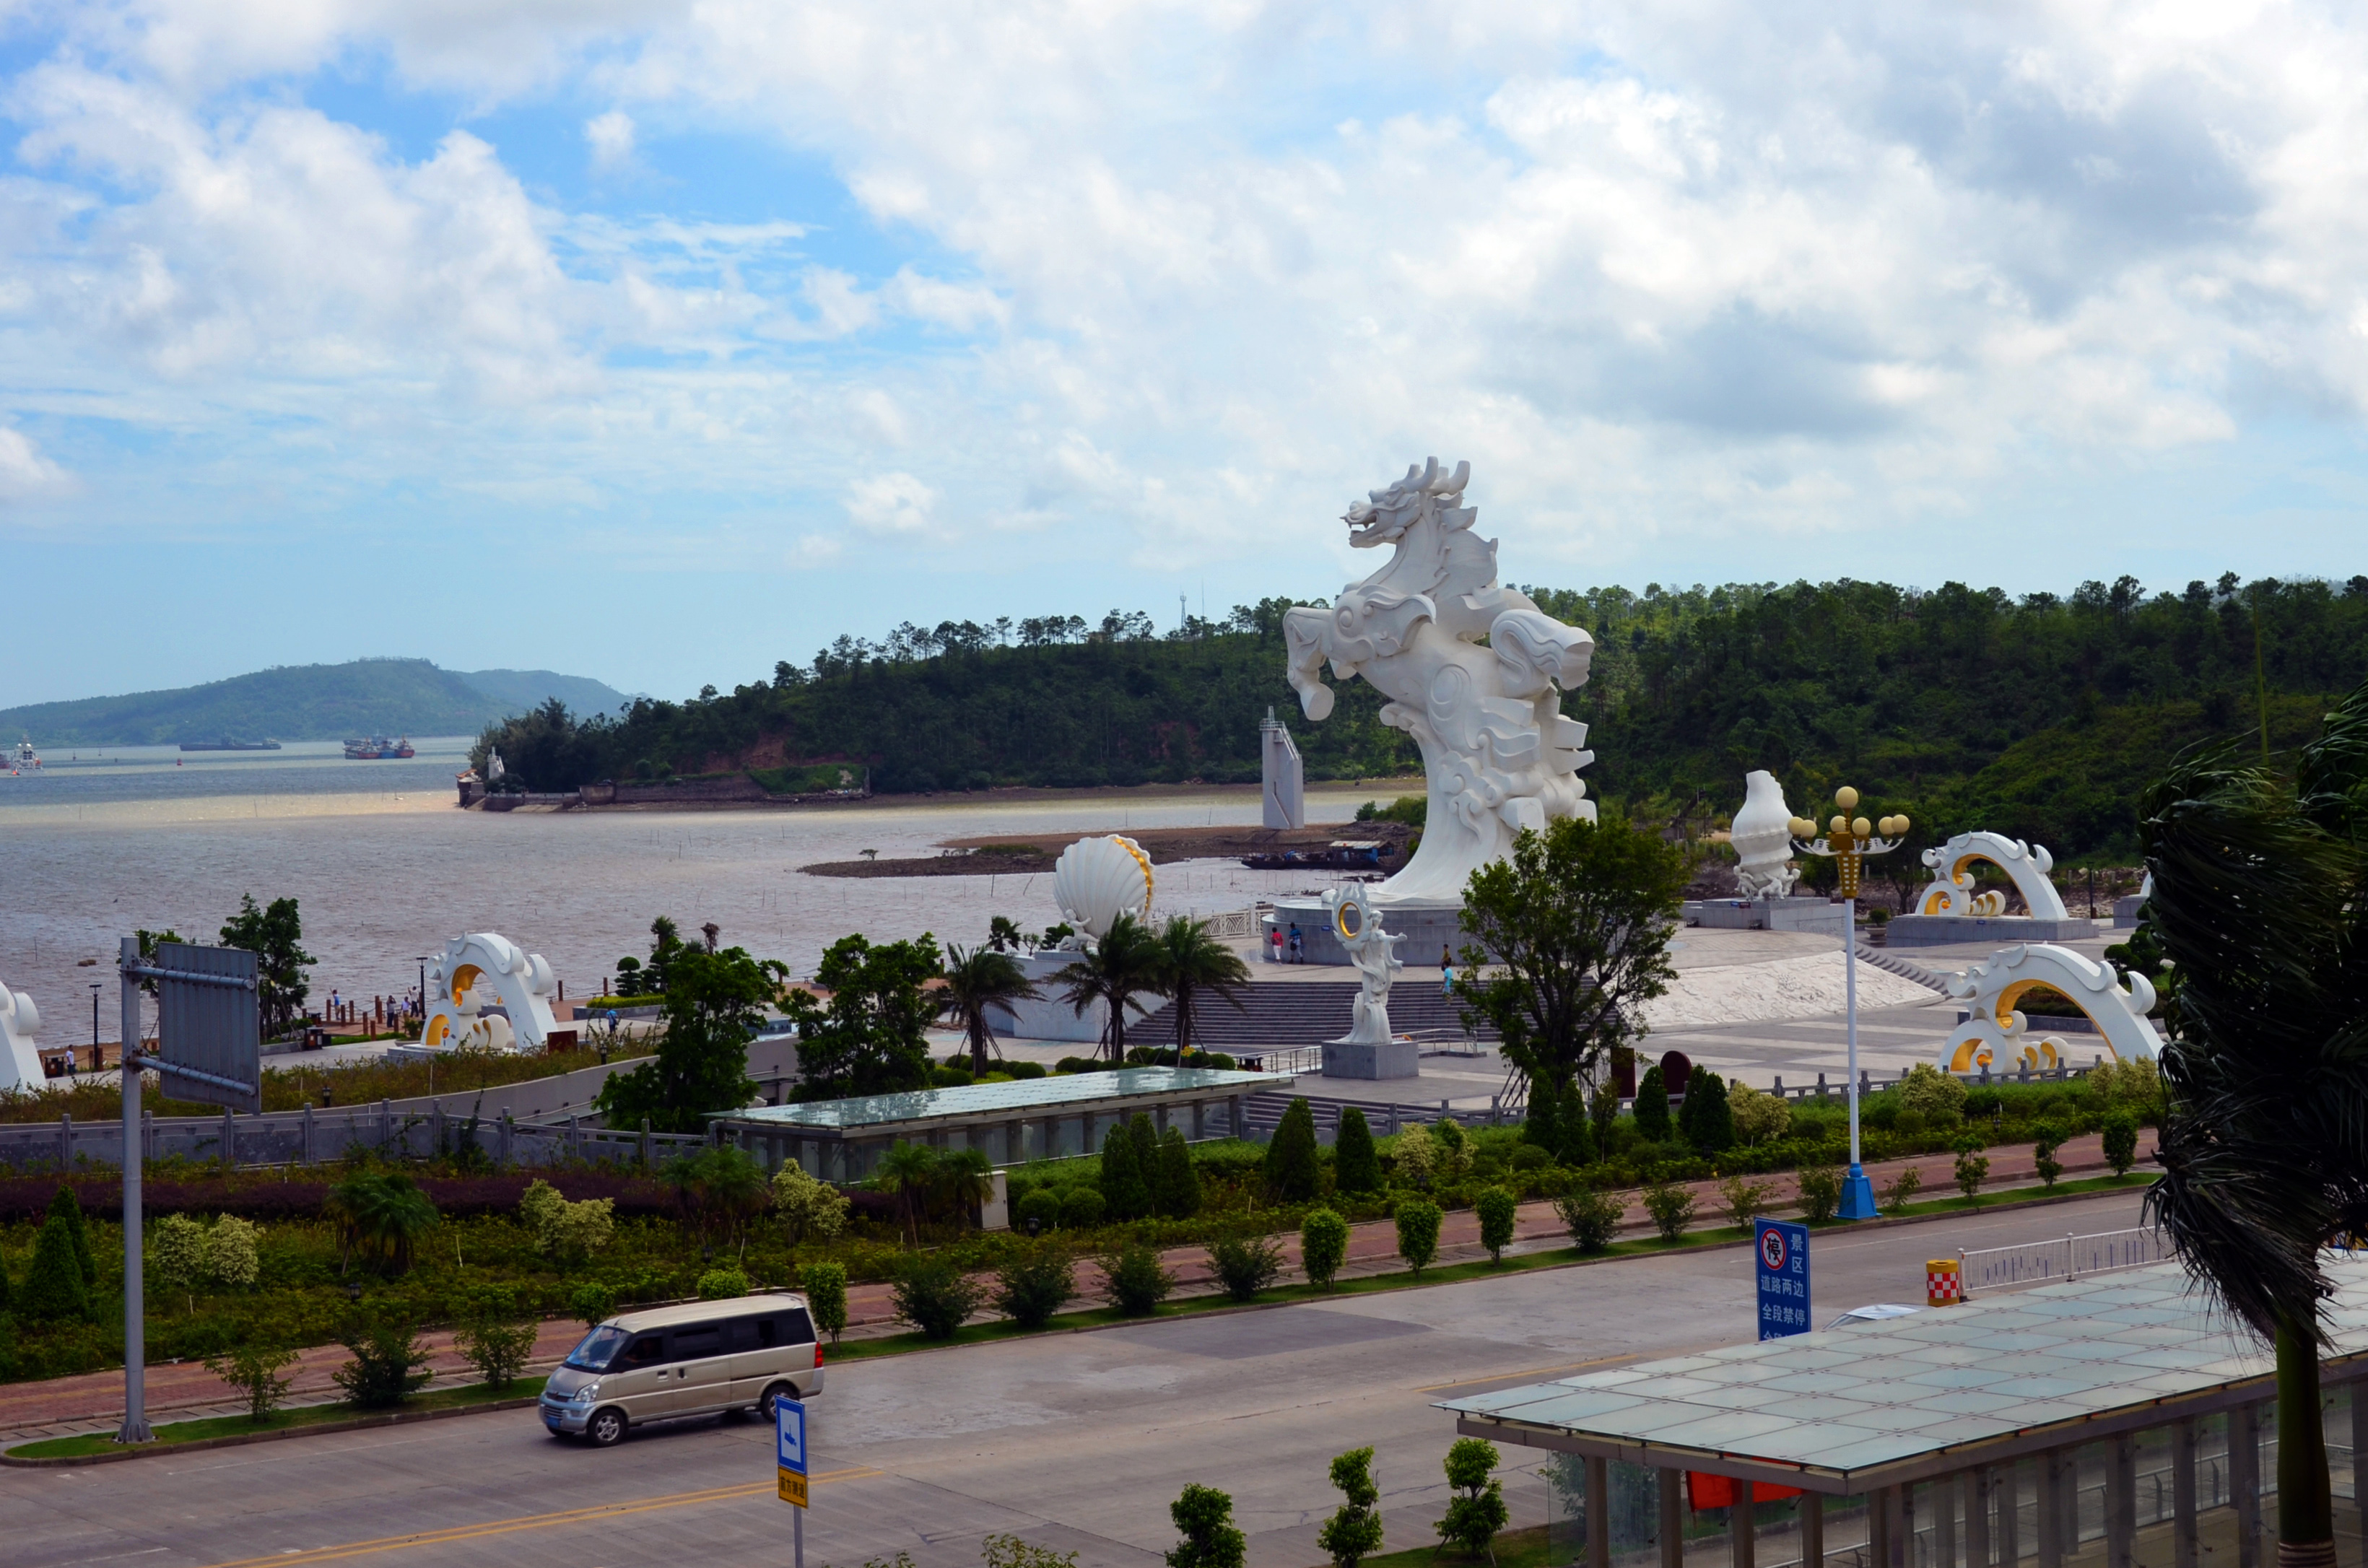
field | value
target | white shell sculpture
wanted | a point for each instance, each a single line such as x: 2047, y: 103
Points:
x: 20, y: 1063
x: 1762, y: 838
x: 1098, y: 879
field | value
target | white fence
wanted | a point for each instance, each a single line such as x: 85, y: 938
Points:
x: 1988, y: 1270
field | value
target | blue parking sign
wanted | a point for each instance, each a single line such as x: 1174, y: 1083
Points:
x: 790, y: 1436
x: 1784, y: 1278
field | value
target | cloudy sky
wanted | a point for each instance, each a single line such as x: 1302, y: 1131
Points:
x: 660, y: 341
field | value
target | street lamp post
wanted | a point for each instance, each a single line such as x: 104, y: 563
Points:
x: 422, y: 962
x: 97, y: 1061
x: 1848, y: 842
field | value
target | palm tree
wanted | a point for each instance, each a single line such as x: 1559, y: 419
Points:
x: 1192, y: 962
x: 380, y: 1218
x: 720, y: 1187
x: 910, y: 1171
x: 1127, y: 962
x: 979, y: 980
x: 2261, y: 904
x: 965, y: 1178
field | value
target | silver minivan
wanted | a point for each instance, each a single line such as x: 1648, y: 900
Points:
x: 699, y: 1358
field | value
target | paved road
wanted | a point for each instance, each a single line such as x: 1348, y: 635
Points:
x: 1076, y: 1441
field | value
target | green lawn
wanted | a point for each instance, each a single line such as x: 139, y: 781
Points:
x: 239, y: 1425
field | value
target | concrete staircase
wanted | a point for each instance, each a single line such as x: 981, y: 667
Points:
x: 1892, y: 964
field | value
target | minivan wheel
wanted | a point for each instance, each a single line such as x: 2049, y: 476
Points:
x: 606, y: 1428
x: 773, y: 1395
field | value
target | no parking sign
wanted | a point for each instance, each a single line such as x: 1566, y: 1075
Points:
x: 1783, y: 1276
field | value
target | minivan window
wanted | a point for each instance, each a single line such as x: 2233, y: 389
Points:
x: 698, y: 1340
x: 598, y: 1345
x: 648, y: 1350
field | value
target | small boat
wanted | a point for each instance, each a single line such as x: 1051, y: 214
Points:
x: 1341, y: 854
x: 377, y: 747
x: 24, y: 757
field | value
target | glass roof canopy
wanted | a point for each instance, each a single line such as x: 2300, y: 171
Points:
x: 1928, y: 1394
x: 1069, y: 1093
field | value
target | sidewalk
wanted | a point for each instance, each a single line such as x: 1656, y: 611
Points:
x: 186, y: 1390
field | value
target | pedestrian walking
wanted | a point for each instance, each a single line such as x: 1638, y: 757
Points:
x: 1447, y: 980
x: 1298, y: 945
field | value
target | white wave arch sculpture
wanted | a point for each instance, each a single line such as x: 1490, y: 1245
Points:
x: 481, y: 971
x: 20, y: 1059
x: 1998, y: 1037
x: 2027, y: 864
x: 1098, y: 879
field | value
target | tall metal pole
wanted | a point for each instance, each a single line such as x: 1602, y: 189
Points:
x: 1858, y: 1193
x: 135, y: 1305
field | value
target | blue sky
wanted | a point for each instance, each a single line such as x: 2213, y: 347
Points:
x: 658, y: 342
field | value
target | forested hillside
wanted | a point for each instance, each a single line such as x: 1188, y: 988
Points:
x: 2039, y: 716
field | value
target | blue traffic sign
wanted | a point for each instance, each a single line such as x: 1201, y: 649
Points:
x: 1784, y: 1278
x: 790, y: 1436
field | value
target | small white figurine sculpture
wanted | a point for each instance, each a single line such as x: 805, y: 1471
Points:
x: 1098, y: 879
x: 1373, y: 951
x: 1995, y: 1036
x: 1762, y: 837
x: 1952, y: 890
x: 1497, y: 753
x: 483, y: 969
x: 20, y: 1058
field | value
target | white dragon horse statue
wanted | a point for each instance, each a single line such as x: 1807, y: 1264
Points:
x: 1497, y: 752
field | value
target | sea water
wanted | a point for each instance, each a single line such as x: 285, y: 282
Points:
x: 385, y: 867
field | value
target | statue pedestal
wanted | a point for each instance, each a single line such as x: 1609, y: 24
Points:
x: 1389, y: 1058
x: 1424, y: 923
x: 1996, y: 930
x: 1818, y: 915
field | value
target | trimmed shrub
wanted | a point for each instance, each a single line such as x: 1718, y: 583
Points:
x: 1939, y: 1097
x: 1206, y: 1516
x: 1356, y: 1164
x: 1477, y: 1510
x: 2120, y: 1130
x: 722, y: 1285
x: 1354, y: 1533
x: 1134, y: 1282
x: 230, y: 1258
x: 1246, y: 1265
x: 1496, y: 1210
x: 495, y: 1340
x: 1419, y: 1233
x: 1903, y: 1190
x: 1652, y: 1108
x: 934, y: 1296
x: 1591, y: 1216
x: 54, y: 1286
x: 253, y: 1370
x: 1290, y: 1161
x: 1323, y: 1246
x: 176, y: 1256
x: 68, y: 1209
x: 1125, y: 1193
x: 388, y: 1366
x: 1743, y: 1201
x: 810, y: 1210
x: 1821, y: 1192
x: 1452, y: 1150
x: 1041, y: 1205
x: 1415, y: 1157
x: 1542, y: 1127
x: 1671, y: 1207
x: 1176, y: 1185
x: 1082, y: 1209
x: 2043, y: 1155
x: 1758, y: 1117
x: 1973, y: 1166
x: 825, y: 1288
x: 592, y: 1305
x: 1705, y: 1120
x: 1035, y: 1284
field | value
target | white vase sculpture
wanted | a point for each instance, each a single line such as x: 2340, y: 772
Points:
x: 1761, y: 836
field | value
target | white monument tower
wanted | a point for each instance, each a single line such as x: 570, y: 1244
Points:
x: 1283, y: 780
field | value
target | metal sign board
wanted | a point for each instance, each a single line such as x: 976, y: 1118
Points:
x: 208, y: 1025
x: 790, y: 1450
x: 1782, y: 1249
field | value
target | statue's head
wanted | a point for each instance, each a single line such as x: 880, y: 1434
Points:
x: 1386, y: 515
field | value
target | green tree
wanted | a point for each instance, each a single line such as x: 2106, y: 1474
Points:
x: 176, y: 1255
x: 1125, y: 1191
x: 1177, y: 1188
x: 909, y: 1171
x: 717, y: 1191
x: 1570, y: 936
x: 1127, y: 962
x: 1192, y: 965
x: 390, y: 1364
x: 1417, y: 1222
x: 54, y: 1284
x: 2121, y: 1141
x: 1323, y: 1246
x: 1477, y: 1510
x: 808, y: 1210
x: 871, y: 1037
x: 1652, y: 1108
x: 1496, y: 1210
x: 2260, y: 902
x: 1354, y: 1532
x: 825, y: 1288
x: 1705, y: 1120
x: 2044, y: 1148
x: 1356, y: 1164
x: 495, y: 1338
x: 1036, y: 1283
x: 68, y: 1209
x: 253, y: 1371
x: 978, y: 982
x: 381, y: 1219
x: 275, y: 936
x: 1205, y: 1515
x: 714, y: 1004
x: 1291, y: 1168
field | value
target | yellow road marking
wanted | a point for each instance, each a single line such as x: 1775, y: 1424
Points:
x: 532, y: 1522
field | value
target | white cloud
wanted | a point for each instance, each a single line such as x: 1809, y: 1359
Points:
x: 892, y: 504
x: 25, y: 473
x: 610, y: 137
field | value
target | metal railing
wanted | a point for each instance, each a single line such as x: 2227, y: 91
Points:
x: 2060, y: 1258
x: 316, y: 1136
x: 1292, y: 1058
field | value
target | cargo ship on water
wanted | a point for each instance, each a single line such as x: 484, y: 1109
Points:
x: 377, y: 747
x: 24, y: 757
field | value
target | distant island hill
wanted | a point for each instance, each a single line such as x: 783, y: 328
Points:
x: 310, y: 703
